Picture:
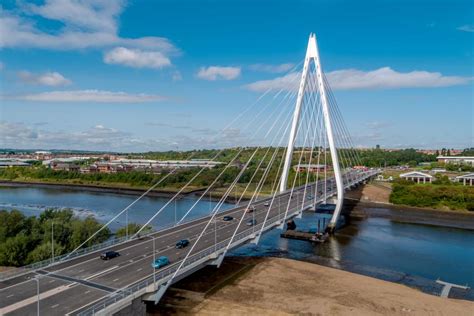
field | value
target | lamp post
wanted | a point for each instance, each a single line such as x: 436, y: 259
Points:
x: 52, y: 241
x: 36, y: 278
x: 215, y: 235
x: 154, y: 273
x: 175, y: 219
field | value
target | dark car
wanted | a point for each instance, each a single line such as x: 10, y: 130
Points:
x: 109, y: 255
x: 251, y: 222
x: 227, y: 218
x: 250, y: 209
x: 182, y: 243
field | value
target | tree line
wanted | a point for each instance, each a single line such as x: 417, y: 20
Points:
x: 24, y: 240
x: 442, y: 193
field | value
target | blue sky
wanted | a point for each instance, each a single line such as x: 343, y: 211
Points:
x: 156, y: 75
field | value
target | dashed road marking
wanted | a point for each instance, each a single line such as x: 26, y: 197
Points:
x: 88, y: 291
x: 140, y: 269
x: 51, y: 281
x: 55, y: 305
x: 10, y: 295
x: 115, y: 280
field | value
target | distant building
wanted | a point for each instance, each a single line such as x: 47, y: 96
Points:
x: 459, y: 160
x: 65, y: 166
x: 417, y: 176
x: 466, y: 179
x: 8, y: 164
x: 309, y: 167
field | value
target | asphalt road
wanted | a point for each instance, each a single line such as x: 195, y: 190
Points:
x: 74, y: 285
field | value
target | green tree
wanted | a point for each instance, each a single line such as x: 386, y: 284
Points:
x: 132, y: 229
x: 83, y: 229
x: 43, y: 252
x: 14, y: 251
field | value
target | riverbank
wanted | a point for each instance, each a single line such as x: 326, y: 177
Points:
x: 408, y: 214
x: 117, y: 189
x: 276, y: 286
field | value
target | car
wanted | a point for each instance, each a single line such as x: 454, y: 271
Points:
x: 160, y: 262
x: 267, y: 204
x: 310, y: 197
x: 182, y: 243
x: 250, y: 209
x: 109, y: 255
x: 227, y: 218
x: 251, y: 222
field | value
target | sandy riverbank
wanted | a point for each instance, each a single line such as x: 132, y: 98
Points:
x: 276, y: 286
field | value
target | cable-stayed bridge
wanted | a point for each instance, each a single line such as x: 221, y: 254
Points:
x: 303, y: 156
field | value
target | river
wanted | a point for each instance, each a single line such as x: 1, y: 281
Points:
x: 415, y: 255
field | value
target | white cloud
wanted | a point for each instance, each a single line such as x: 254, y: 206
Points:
x: 466, y: 28
x: 85, y: 24
x: 288, y: 82
x: 87, y: 96
x: 47, y: 79
x: 272, y: 68
x: 92, y: 15
x: 218, y: 72
x: 386, y: 77
x: 99, y: 137
x: 136, y: 58
x: 382, y: 78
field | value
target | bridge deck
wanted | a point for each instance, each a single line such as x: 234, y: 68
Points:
x: 79, y: 284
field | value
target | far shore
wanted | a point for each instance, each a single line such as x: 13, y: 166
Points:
x: 123, y: 190
x: 360, y: 206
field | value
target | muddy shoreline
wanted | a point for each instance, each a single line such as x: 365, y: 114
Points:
x: 279, y: 286
x: 410, y: 215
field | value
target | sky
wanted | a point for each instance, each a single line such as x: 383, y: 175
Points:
x: 141, y: 75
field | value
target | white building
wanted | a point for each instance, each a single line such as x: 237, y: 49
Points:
x: 194, y: 163
x: 466, y: 179
x: 417, y: 176
x: 468, y: 160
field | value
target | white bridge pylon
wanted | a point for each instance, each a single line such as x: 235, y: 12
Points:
x: 312, y: 55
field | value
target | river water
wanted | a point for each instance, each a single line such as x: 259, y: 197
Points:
x: 415, y: 255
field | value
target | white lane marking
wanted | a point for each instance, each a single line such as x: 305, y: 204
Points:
x: 88, y: 291
x: 10, y: 295
x: 52, y: 281
x: 140, y: 269
x: 31, y: 300
x: 101, y: 272
x: 80, y: 271
x: 55, y: 305
x: 115, y: 280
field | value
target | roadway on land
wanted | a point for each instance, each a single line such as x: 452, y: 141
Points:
x: 74, y: 285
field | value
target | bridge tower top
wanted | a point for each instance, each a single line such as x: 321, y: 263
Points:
x: 312, y: 55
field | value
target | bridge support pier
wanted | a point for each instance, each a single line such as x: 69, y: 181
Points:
x: 217, y: 260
